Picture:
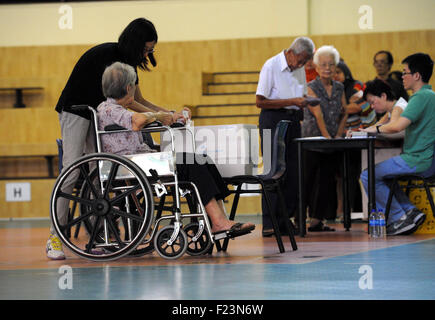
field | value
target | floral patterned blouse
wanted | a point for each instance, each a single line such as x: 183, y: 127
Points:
x: 109, y: 112
x: 331, y: 107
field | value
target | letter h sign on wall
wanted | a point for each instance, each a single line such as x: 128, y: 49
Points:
x: 18, y: 192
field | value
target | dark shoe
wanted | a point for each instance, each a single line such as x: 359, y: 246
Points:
x: 236, y: 230
x: 418, y: 217
x: 296, y: 231
x: 407, y: 224
x: 267, y: 233
x: 320, y: 227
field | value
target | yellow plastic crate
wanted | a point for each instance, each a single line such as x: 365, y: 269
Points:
x: 419, y: 199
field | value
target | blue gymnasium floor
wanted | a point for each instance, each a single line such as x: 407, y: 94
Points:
x: 391, y: 271
x: 335, y: 278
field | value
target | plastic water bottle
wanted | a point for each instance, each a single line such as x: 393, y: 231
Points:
x: 373, y: 230
x: 382, y: 228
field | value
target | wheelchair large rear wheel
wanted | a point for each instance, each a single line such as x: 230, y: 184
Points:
x: 116, y: 209
x: 142, y: 249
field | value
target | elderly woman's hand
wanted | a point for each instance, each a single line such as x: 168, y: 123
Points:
x: 176, y: 116
x: 166, y: 118
x: 189, y: 113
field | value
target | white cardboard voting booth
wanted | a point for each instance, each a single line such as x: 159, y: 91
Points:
x: 234, y: 148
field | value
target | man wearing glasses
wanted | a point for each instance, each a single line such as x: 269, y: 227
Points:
x: 383, y: 61
x: 280, y: 94
x: 418, y: 121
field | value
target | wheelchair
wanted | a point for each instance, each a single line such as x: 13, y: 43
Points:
x: 122, y: 202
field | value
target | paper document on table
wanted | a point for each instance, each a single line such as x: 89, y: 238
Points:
x: 359, y: 134
x: 315, y: 138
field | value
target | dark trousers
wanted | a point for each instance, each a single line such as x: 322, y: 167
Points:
x: 202, y: 171
x: 269, y: 120
x: 355, y: 198
x: 320, y: 183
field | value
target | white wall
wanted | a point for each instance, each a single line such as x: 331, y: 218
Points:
x: 180, y: 20
x: 184, y: 20
x: 344, y: 17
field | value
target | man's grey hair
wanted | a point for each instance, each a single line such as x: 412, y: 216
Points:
x: 116, y: 78
x: 303, y: 44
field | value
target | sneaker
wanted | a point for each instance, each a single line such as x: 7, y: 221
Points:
x: 407, y: 224
x: 54, y: 248
x: 418, y: 218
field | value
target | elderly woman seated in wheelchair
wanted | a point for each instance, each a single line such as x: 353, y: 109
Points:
x: 121, y: 181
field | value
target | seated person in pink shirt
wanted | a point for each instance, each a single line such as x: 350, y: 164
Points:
x: 118, y: 85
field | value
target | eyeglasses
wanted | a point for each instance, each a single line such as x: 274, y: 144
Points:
x: 380, y: 62
x: 326, y: 65
x: 405, y: 73
x: 149, y: 50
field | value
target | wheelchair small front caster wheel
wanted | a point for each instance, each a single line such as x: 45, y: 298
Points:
x: 196, y: 245
x: 170, y: 251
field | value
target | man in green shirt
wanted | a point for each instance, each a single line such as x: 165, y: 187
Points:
x: 418, y: 121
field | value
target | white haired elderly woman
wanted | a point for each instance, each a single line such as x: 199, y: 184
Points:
x: 326, y: 119
x: 118, y: 87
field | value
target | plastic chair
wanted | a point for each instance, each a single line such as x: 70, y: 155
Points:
x: 427, y: 178
x: 269, y: 183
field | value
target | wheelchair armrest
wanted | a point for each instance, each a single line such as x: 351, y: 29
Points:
x: 153, y: 124
x: 177, y: 125
x: 146, y: 136
x: 113, y: 127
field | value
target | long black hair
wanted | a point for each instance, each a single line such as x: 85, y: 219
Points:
x: 132, y: 41
x: 349, y: 81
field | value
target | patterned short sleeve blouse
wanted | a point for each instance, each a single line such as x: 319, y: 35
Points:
x: 109, y: 112
x: 331, y: 107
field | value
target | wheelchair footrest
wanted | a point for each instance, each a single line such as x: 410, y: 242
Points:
x: 235, y: 231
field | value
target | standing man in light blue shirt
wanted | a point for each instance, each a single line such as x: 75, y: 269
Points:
x: 280, y: 95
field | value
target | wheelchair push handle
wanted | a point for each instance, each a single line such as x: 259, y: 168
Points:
x: 81, y: 107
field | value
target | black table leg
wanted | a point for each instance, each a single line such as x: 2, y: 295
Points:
x: 302, y: 210
x: 346, y: 206
x: 371, y: 176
